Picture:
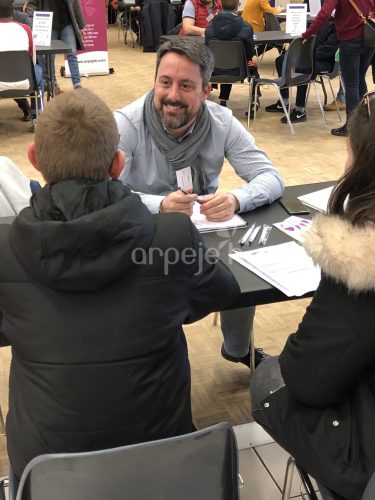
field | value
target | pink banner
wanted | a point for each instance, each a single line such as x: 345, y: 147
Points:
x: 94, y: 59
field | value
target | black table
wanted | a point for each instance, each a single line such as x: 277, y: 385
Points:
x: 254, y: 290
x: 273, y: 37
x: 56, y: 47
x: 270, y: 37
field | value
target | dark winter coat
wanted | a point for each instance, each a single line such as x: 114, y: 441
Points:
x: 92, y: 301
x: 157, y: 19
x: 230, y: 26
x: 326, y: 410
x: 75, y: 12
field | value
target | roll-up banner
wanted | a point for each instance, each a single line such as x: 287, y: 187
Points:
x: 94, y: 59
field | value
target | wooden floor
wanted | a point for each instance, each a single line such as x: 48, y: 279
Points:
x: 220, y: 389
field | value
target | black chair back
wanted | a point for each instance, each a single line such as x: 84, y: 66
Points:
x: 270, y: 22
x: 202, y: 465
x: 16, y: 66
x: 230, y: 61
x: 298, y: 64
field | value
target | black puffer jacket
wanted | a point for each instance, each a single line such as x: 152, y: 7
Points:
x: 229, y: 26
x: 93, y: 312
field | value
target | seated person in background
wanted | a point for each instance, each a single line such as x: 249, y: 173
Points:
x: 253, y: 13
x: 197, y: 14
x: 317, y: 399
x: 99, y: 354
x: 134, y: 13
x: 324, y: 60
x: 16, y: 36
x: 174, y: 127
x: 229, y: 26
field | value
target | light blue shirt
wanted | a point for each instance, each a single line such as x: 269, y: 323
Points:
x: 148, y: 172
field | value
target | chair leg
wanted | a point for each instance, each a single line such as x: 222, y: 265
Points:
x: 215, y: 318
x: 250, y: 100
x: 334, y: 99
x: 305, y: 479
x: 319, y: 102
x: 255, y: 108
x: 286, y: 113
x: 288, y: 479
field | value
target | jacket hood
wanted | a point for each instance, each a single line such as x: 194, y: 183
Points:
x: 343, y: 251
x: 78, y: 235
x: 226, y: 25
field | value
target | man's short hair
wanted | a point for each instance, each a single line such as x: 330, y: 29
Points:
x: 76, y: 137
x: 6, y: 8
x: 230, y: 5
x: 197, y: 52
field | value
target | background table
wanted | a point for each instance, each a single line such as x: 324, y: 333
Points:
x: 56, y: 47
x: 254, y: 290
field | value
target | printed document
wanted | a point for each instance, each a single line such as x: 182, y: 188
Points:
x: 286, y: 267
x: 203, y: 225
x: 294, y: 226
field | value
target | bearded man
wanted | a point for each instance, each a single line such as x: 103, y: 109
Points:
x: 174, y: 132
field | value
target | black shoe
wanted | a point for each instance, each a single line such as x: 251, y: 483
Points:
x: 341, y: 131
x: 223, y: 103
x: 295, y: 117
x: 260, y: 356
x: 252, y: 109
x: 275, y: 108
x: 27, y: 116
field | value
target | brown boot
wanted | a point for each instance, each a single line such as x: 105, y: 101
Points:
x: 332, y: 106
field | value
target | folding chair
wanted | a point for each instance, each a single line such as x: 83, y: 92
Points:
x: 270, y: 24
x: 230, y: 65
x: 17, y: 77
x: 325, y: 493
x: 202, y: 465
x: 328, y: 76
x: 297, y: 70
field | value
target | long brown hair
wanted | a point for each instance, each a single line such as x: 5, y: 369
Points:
x: 354, y: 196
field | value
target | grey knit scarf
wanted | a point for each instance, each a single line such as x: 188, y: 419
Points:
x: 180, y: 154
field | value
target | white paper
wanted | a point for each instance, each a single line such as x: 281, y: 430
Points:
x: 184, y: 178
x: 315, y: 6
x: 296, y: 18
x: 294, y: 226
x: 42, y: 28
x: 203, y: 225
x: 286, y: 267
x: 318, y: 200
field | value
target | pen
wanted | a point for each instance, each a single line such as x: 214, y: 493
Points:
x: 266, y: 229
x: 253, y: 235
x: 185, y: 192
x: 245, y: 237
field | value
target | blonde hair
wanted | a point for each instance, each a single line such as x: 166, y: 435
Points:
x: 76, y: 137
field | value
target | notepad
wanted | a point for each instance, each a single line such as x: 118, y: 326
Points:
x: 203, y: 225
x: 286, y: 267
x: 318, y: 200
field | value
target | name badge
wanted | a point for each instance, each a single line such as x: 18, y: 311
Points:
x: 184, y: 178
x: 209, y: 18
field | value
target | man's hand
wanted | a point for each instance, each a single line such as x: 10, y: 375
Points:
x: 178, y: 202
x: 219, y: 206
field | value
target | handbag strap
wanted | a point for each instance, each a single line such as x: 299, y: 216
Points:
x: 356, y: 8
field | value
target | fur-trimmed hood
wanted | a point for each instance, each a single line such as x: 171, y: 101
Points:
x: 343, y: 251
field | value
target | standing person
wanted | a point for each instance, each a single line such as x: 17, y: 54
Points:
x: 175, y: 127
x: 317, y: 399
x: 67, y: 25
x: 99, y: 354
x: 197, y: 14
x: 230, y: 26
x: 17, y: 36
x: 253, y: 13
x: 355, y: 57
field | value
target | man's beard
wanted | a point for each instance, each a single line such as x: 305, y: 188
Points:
x: 174, y: 122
